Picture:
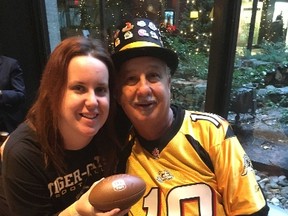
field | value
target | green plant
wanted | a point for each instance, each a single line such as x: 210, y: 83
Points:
x: 269, y: 57
x: 284, y: 117
x: 248, y: 76
x: 273, y: 52
x: 192, y: 63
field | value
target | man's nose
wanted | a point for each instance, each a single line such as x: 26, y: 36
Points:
x: 144, y: 86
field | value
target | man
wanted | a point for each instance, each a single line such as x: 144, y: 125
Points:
x: 192, y: 162
x: 12, y: 98
x: 276, y: 31
x: 12, y: 94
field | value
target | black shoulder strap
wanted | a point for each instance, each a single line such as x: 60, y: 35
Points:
x: 125, y: 153
x: 201, y: 152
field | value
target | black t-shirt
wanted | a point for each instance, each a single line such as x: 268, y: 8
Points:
x: 31, y: 189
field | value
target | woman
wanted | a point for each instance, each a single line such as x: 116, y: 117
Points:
x: 62, y: 148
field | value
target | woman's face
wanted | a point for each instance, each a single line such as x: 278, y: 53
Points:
x: 85, y: 105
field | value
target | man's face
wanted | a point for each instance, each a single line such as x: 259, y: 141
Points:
x: 144, y: 90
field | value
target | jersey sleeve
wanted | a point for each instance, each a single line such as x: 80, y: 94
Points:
x: 235, y: 175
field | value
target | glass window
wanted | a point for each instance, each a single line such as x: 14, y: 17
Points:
x: 259, y: 96
x: 68, y: 18
x: 79, y: 17
x: 260, y: 75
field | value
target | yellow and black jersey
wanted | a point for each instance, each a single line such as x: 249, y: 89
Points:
x: 198, y: 168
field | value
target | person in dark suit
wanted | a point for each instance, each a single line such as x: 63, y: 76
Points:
x: 12, y: 94
x: 277, y: 31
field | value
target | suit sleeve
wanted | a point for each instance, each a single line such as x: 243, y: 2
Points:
x: 15, y: 95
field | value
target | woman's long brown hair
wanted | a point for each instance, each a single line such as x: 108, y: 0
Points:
x: 44, y: 114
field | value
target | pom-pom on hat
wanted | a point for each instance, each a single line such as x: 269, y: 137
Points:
x: 141, y: 37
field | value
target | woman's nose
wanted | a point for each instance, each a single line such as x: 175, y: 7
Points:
x: 91, y: 100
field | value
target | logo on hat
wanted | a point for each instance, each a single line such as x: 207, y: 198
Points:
x: 143, y: 32
x: 152, y: 26
x: 128, y: 27
x: 128, y: 35
x: 117, y: 42
x: 154, y: 35
x: 141, y: 23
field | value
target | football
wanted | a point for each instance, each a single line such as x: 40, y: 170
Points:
x: 117, y: 191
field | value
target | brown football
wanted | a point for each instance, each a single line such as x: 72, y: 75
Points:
x: 117, y: 191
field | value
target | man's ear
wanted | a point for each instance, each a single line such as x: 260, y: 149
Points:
x: 169, y: 80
